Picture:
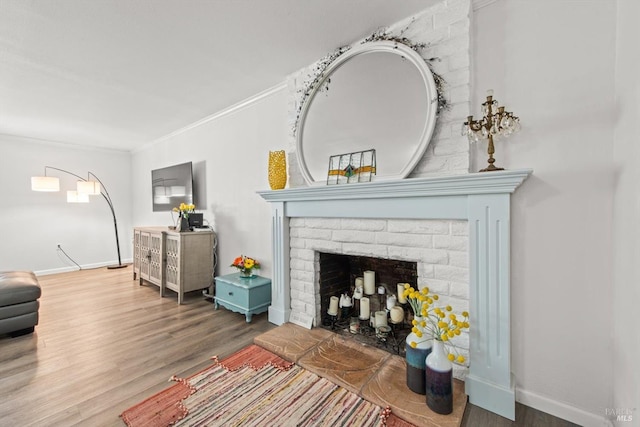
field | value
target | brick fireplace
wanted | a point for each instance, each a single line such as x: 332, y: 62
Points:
x: 337, y: 274
x: 476, y: 209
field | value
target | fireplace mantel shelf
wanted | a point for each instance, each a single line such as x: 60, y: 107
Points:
x: 482, y: 199
x: 454, y: 185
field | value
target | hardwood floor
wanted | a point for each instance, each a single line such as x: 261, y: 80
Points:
x: 104, y: 343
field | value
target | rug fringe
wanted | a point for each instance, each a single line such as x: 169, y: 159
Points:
x: 254, y: 357
x: 384, y: 415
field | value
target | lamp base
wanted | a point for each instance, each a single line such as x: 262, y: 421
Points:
x: 113, y: 267
x: 491, y: 168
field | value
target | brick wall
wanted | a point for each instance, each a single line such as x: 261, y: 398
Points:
x: 445, y: 27
x: 439, y: 247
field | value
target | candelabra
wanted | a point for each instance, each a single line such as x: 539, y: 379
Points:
x: 495, y: 122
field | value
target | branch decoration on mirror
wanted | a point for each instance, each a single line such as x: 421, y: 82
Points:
x: 318, y: 82
x: 495, y: 122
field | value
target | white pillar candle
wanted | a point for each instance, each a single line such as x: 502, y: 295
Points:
x: 369, y: 282
x: 333, y: 306
x: 364, y: 308
x: 381, y: 318
x: 359, y: 282
x: 397, y: 314
x: 401, y: 298
x: 391, y: 301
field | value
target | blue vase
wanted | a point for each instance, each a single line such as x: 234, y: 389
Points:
x: 415, y: 358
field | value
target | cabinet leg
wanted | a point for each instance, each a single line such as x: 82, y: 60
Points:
x: 248, y: 316
x: 215, y: 305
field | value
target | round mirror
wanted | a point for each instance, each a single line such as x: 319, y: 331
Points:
x: 378, y: 95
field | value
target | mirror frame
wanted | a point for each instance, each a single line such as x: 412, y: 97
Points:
x: 392, y: 47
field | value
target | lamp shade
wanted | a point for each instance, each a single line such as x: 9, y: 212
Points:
x: 91, y: 188
x: 75, y: 197
x: 45, y: 183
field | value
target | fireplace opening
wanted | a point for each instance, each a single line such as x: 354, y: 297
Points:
x: 337, y: 277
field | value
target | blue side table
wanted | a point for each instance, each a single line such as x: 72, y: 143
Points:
x: 243, y: 295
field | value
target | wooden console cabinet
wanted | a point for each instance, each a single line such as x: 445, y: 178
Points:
x: 182, y: 262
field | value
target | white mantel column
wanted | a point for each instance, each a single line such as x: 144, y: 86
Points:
x: 490, y: 384
x: 280, y: 307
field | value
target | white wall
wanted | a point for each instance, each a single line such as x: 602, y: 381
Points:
x: 230, y: 155
x: 36, y: 222
x: 626, y: 251
x: 552, y: 63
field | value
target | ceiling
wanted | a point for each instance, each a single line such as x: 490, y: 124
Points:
x: 120, y: 74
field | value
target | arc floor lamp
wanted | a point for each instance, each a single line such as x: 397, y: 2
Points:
x: 85, y: 188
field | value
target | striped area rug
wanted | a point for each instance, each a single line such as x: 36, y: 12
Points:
x: 255, y: 388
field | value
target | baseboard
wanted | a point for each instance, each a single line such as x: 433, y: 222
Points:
x: 562, y: 410
x: 75, y: 268
x: 55, y: 271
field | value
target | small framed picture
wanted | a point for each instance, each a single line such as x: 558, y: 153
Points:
x: 348, y: 168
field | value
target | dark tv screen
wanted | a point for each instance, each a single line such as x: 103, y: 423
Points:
x: 171, y: 186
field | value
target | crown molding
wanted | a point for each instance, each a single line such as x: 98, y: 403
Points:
x: 229, y: 110
x: 51, y: 142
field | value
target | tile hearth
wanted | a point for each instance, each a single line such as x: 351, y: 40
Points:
x: 373, y: 374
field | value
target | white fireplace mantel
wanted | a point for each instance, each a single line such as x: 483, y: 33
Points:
x: 483, y: 199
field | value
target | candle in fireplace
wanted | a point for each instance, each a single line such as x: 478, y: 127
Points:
x: 364, y: 308
x: 397, y: 314
x: 381, y: 318
x: 333, y: 306
x: 401, y: 298
x: 359, y: 282
x: 369, y: 282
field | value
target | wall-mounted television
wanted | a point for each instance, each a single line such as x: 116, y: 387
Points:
x: 171, y: 186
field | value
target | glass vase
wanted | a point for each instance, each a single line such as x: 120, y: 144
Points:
x: 183, y: 224
x: 277, y: 170
x: 247, y: 273
x: 439, y: 380
x: 415, y: 358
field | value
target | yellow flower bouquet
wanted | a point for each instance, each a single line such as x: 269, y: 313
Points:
x: 185, y: 209
x: 438, y: 323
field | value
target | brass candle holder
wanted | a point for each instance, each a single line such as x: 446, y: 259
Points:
x: 495, y: 122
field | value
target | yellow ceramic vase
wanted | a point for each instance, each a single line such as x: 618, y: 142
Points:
x: 277, y: 170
